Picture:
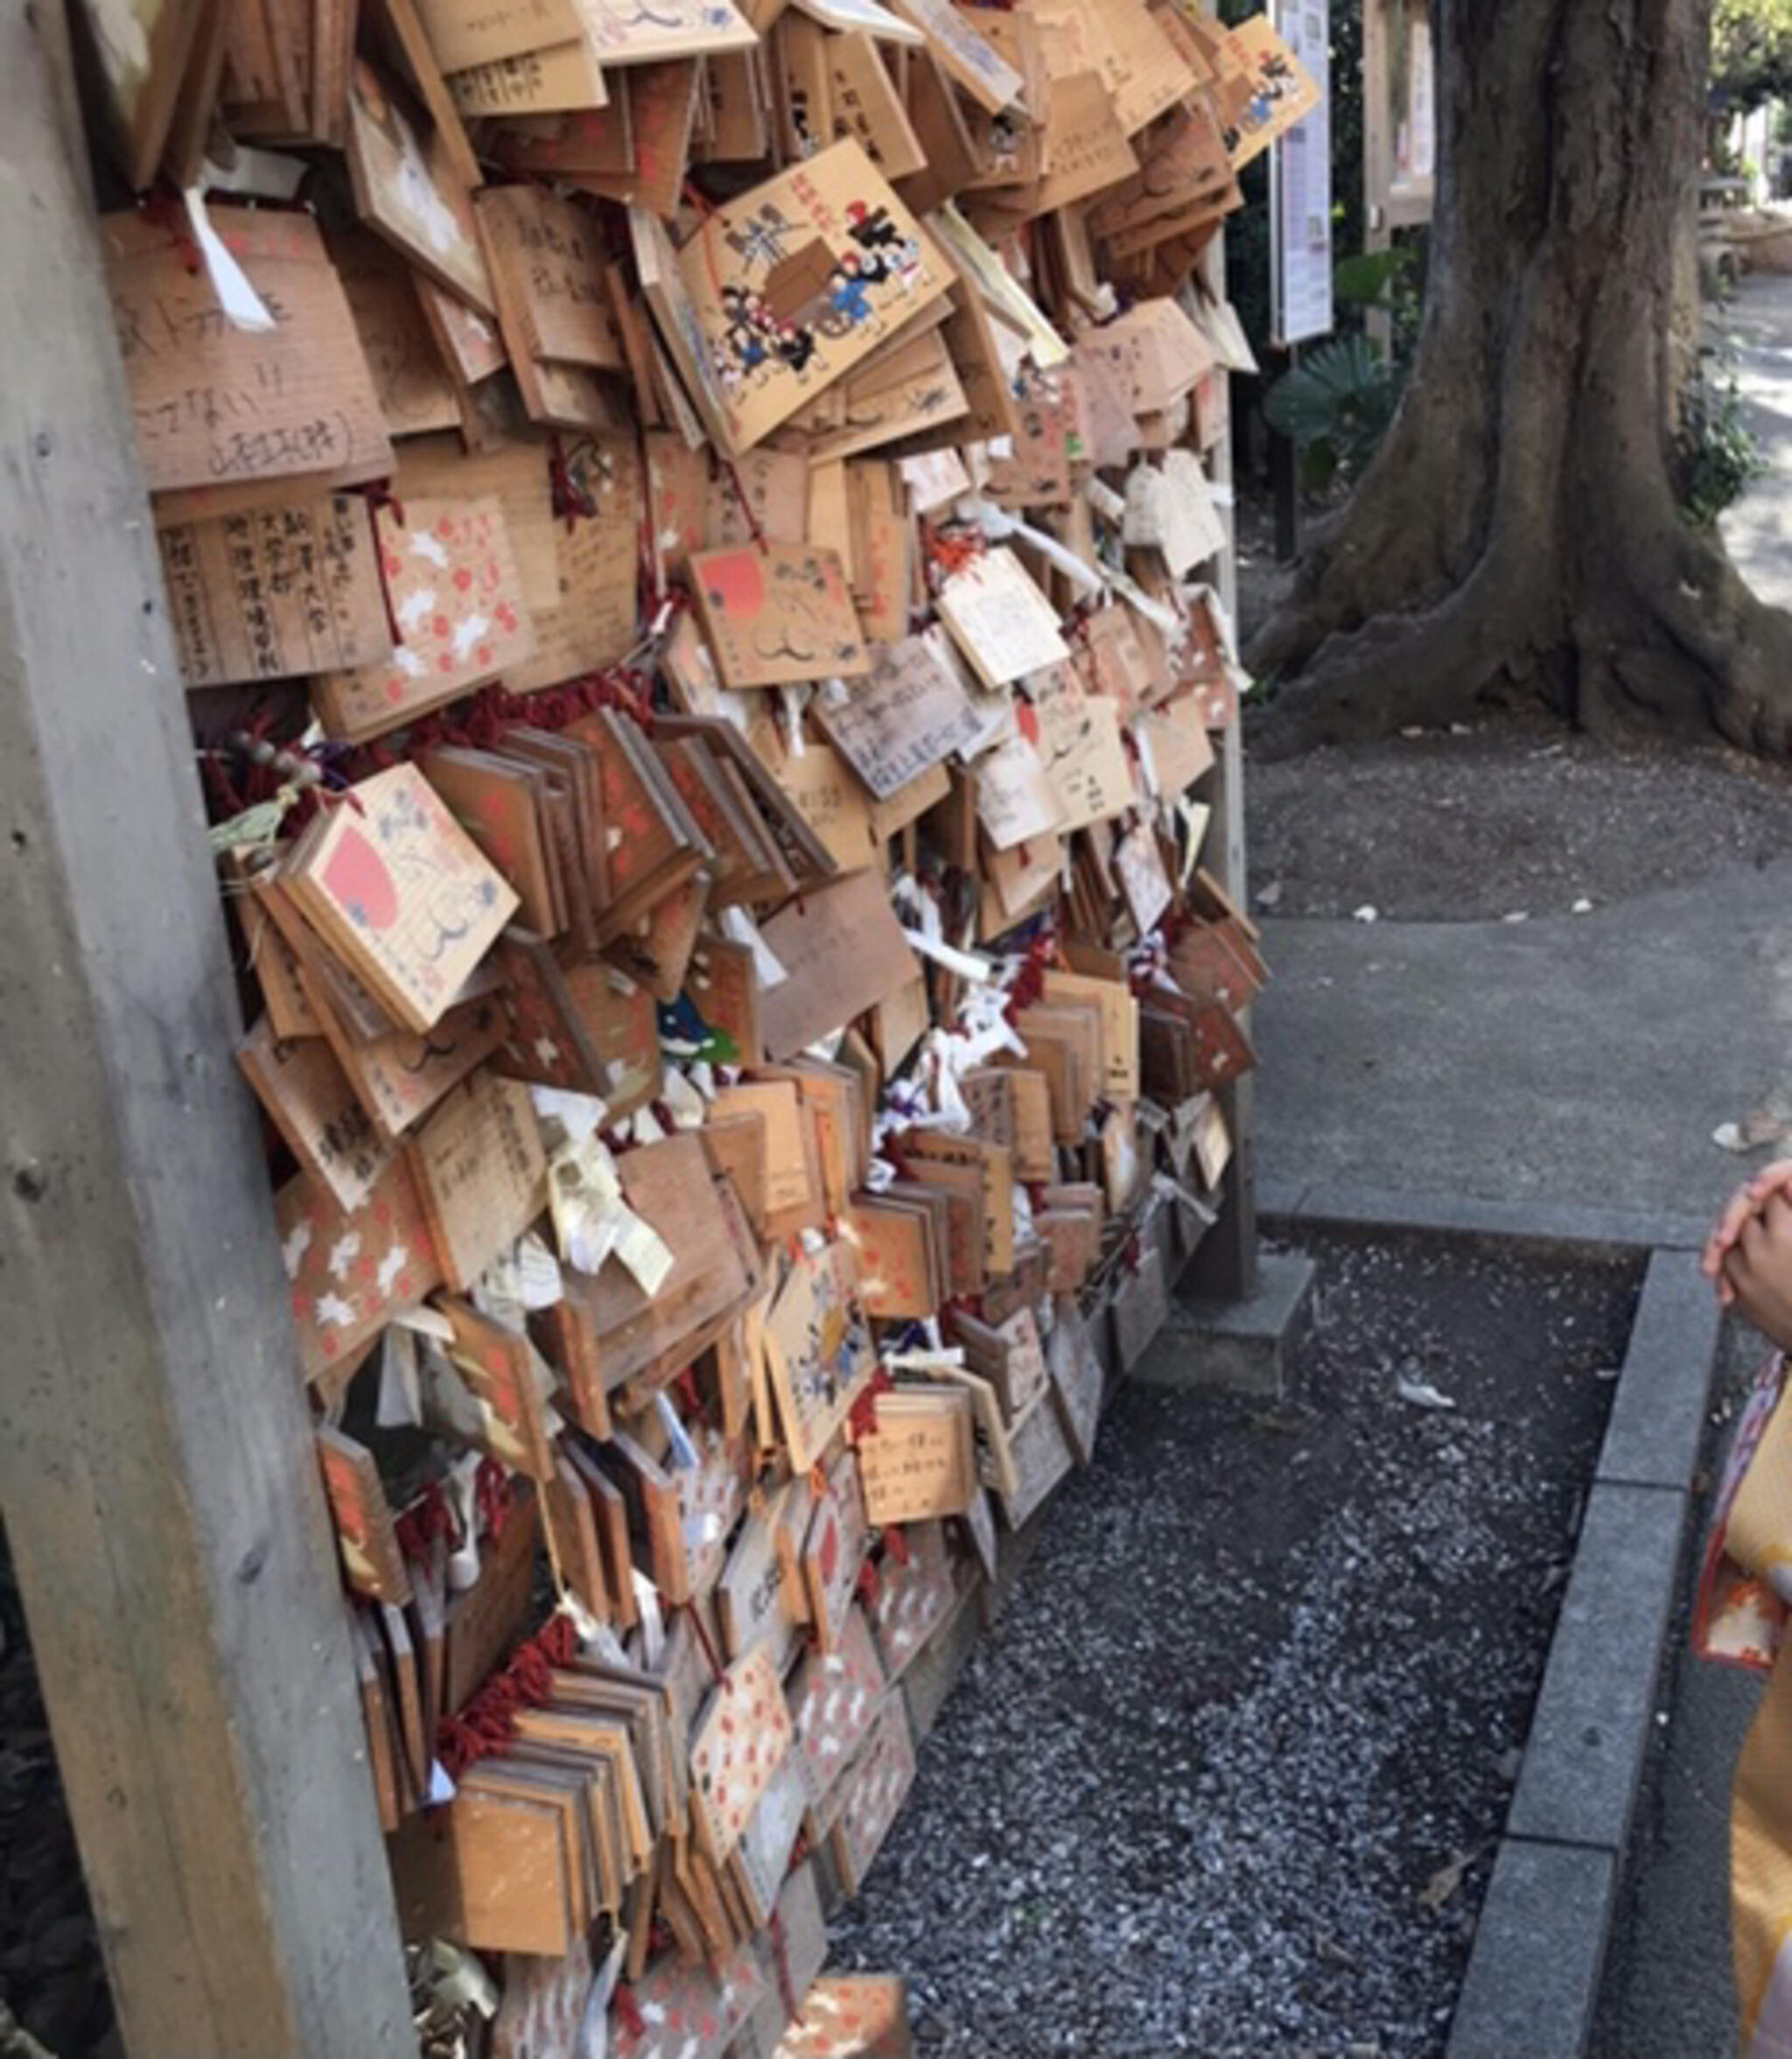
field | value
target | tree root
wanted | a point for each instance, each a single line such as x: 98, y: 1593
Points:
x: 1430, y: 666
x: 1678, y: 644
x: 1692, y: 649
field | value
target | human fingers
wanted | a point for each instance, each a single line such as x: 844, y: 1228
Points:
x: 1737, y: 1210
x: 1775, y: 1177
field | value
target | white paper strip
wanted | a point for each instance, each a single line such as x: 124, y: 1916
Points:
x: 243, y: 305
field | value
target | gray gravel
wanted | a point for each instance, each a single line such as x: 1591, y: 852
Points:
x: 1263, y: 1684
x: 1516, y: 817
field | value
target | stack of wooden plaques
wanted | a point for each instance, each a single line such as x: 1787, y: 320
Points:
x: 684, y: 530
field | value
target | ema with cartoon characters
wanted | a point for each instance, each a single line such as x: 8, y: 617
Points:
x: 756, y: 335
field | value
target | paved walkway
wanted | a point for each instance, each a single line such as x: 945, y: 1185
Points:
x: 1757, y: 530
x: 1576, y: 1061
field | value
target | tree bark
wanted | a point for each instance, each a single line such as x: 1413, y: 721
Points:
x: 1519, y: 531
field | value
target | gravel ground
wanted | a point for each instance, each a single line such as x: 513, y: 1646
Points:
x: 1262, y: 1686
x: 1515, y: 817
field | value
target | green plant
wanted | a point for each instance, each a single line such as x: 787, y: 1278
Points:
x: 1334, y: 406
x: 1716, y: 450
x: 1369, y: 279
x: 1751, y: 52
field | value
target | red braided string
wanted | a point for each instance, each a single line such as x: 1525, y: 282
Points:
x: 863, y: 1422
x: 491, y: 1493
x: 489, y: 1721
x: 780, y: 1955
x: 165, y: 211
x: 629, y: 2010
x: 747, y: 507
x: 568, y: 499
x: 427, y: 1519
x: 1029, y: 983
x: 486, y: 717
x: 709, y: 1649
x: 943, y: 556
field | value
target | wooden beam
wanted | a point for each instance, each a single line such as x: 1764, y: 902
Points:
x: 1224, y: 1264
x: 155, y: 1463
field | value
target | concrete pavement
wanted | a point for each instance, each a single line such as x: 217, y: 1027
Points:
x: 1579, y: 1060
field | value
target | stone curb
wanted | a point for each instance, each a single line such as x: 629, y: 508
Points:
x: 1532, y: 1986
x: 1533, y: 1980
x: 1450, y: 1214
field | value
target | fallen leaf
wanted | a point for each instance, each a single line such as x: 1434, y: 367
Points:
x: 1444, y: 1884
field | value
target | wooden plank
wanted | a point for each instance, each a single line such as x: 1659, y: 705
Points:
x: 161, y: 1490
x: 1377, y: 153
x: 1225, y: 1265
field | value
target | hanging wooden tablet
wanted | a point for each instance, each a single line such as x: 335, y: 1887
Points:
x: 850, y: 2016
x: 456, y: 595
x: 740, y: 1740
x: 219, y: 407
x: 480, y: 1173
x: 778, y: 614
x: 266, y: 594
x: 350, y: 1271
x: 408, y: 190
x: 500, y: 1366
x: 308, y: 1098
x: 371, y: 1561
x: 835, y: 1700
x: 792, y: 284
x: 874, y: 1790
x: 834, y: 1549
x: 819, y: 1349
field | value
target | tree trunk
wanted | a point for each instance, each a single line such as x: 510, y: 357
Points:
x: 1519, y: 529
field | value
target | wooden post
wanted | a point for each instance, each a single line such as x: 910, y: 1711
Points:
x: 1392, y: 199
x: 157, y: 1471
x: 1377, y: 156
x: 1224, y: 1265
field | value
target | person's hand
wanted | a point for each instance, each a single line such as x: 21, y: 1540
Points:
x: 1744, y: 1206
x: 1757, y: 1268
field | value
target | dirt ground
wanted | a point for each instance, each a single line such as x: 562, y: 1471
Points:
x: 1515, y: 817
x: 1226, y: 1775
